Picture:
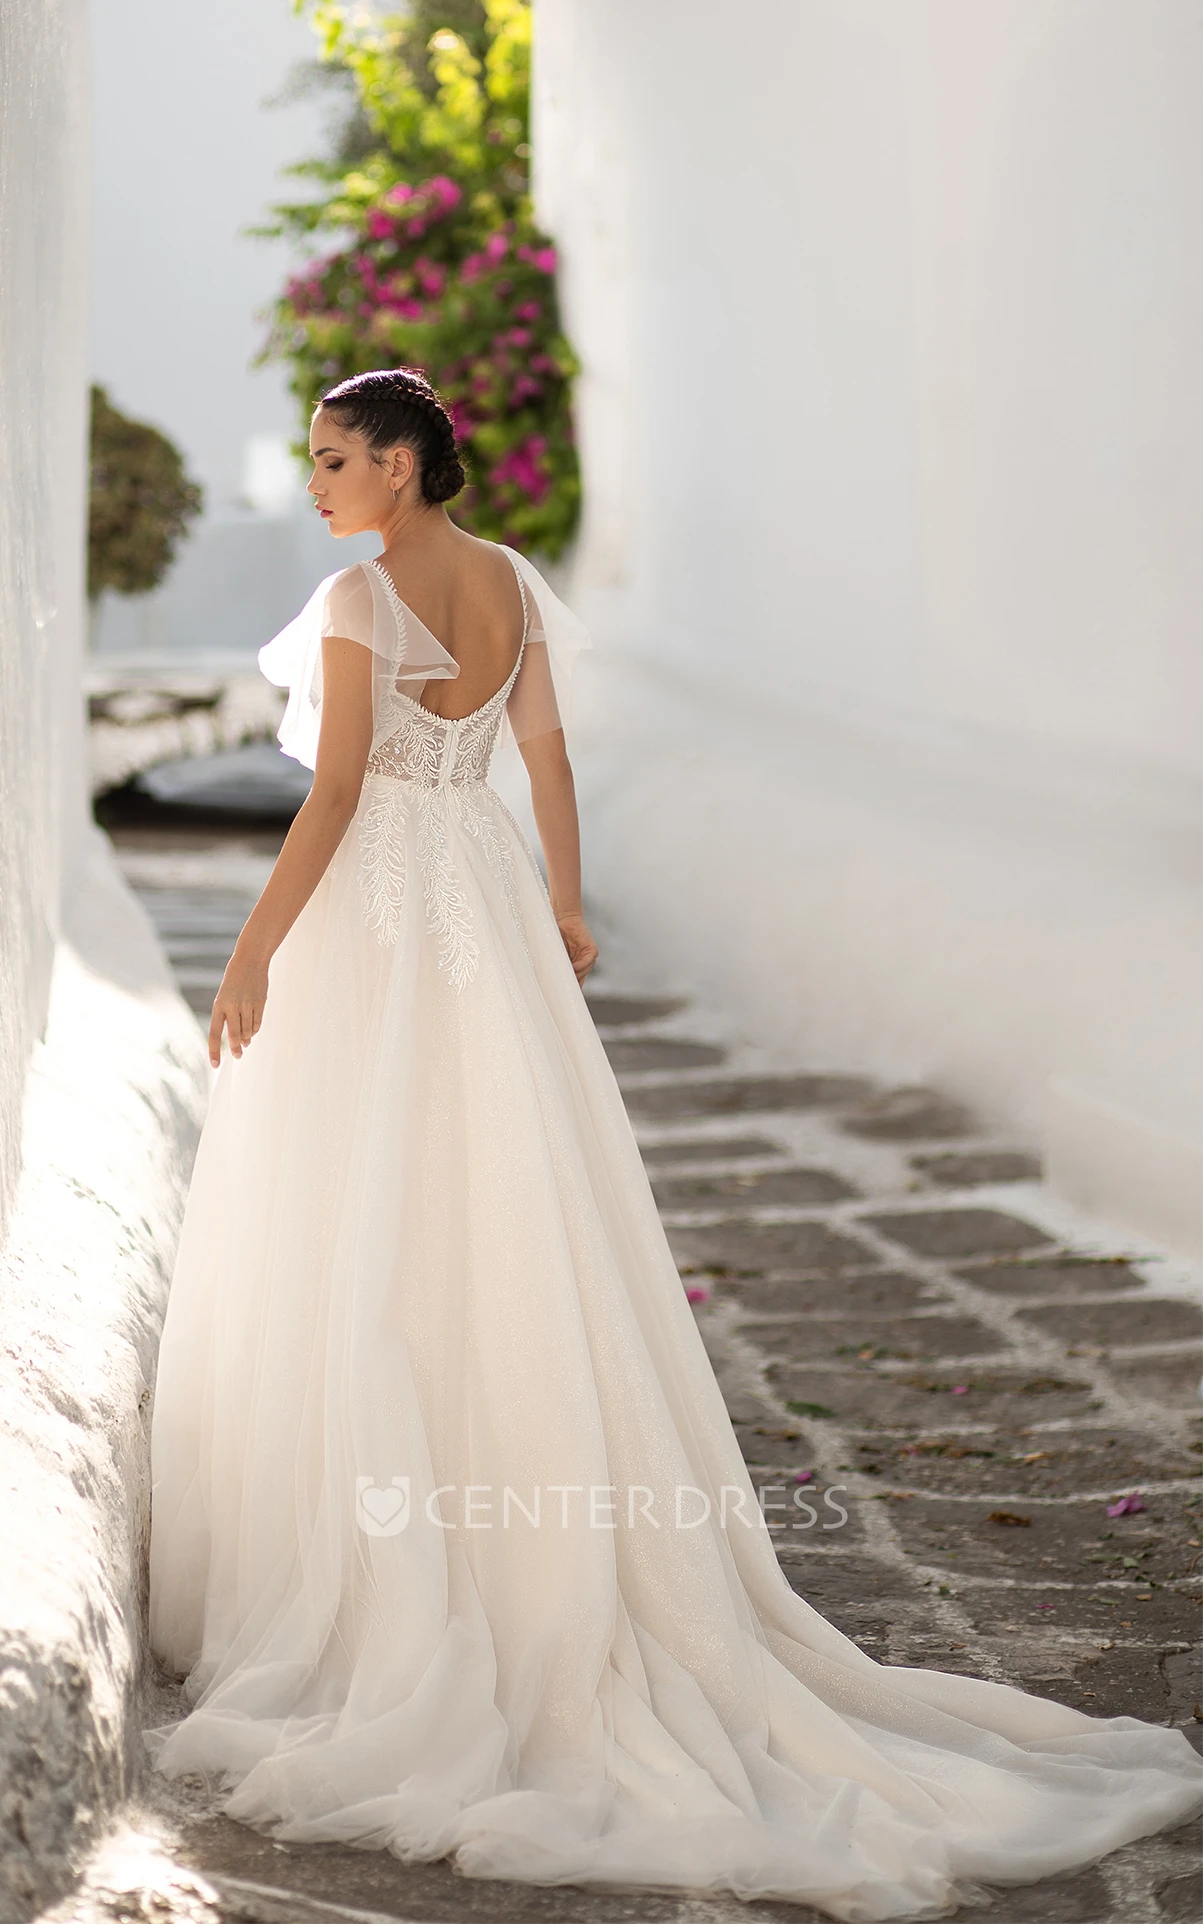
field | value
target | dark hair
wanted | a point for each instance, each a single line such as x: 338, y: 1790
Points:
x: 398, y: 405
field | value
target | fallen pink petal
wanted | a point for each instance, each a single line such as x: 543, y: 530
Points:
x: 1126, y: 1505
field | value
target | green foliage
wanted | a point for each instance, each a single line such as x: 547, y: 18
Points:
x: 140, y: 502
x: 437, y: 262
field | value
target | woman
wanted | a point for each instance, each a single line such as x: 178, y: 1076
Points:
x: 452, y: 1538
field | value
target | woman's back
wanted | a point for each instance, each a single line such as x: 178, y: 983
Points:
x: 465, y: 592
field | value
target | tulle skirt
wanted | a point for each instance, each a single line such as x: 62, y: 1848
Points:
x: 452, y: 1540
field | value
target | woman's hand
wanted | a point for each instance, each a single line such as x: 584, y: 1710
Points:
x: 582, y: 949
x: 238, y: 1006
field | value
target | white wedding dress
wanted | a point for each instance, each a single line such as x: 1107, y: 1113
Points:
x: 421, y: 1264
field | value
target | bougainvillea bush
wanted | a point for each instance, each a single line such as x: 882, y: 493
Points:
x: 436, y: 260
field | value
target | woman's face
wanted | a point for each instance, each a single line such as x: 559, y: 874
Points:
x: 353, y: 490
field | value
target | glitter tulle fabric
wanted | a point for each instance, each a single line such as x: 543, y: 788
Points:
x: 420, y: 1266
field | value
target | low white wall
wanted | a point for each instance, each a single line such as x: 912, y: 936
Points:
x: 115, y: 1096
x: 889, y: 320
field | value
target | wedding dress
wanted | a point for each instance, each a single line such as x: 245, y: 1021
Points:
x: 420, y: 1266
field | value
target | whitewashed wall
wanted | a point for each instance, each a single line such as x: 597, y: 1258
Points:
x: 890, y: 321
x: 43, y: 295
x: 103, y: 1077
x: 187, y: 153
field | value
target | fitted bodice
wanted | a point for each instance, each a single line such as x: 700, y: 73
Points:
x: 438, y: 751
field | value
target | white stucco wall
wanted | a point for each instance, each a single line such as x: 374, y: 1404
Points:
x: 103, y: 1076
x: 43, y: 320
x: 187, y: 153
x: 890, y: 322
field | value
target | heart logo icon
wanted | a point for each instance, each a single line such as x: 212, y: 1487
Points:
x: 383, y: 1511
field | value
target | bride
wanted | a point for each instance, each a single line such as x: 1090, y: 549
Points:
x: 452, y: 1541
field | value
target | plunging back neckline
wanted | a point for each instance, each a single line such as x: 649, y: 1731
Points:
x: 401, y: 610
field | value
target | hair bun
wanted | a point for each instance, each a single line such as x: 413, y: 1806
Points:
x: 444, y: 479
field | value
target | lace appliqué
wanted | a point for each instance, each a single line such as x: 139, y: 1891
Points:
x: 383, y: 865
x: 433, y: 768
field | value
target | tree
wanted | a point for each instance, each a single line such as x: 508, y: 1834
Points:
x: 140, y: 504
x: 437, y: 261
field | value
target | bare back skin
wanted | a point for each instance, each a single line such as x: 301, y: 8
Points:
x: 465, y: 592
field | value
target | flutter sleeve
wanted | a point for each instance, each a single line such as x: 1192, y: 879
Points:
x: 541, y: 698
x: 360, y: 605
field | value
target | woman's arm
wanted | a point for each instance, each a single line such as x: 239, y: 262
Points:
x: 344, y: 743
x: 553, y: 799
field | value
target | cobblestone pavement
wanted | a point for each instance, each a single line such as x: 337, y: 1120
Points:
x: 974, y: 1420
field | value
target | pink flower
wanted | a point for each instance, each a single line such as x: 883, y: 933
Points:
x: 544, y: 258
x: 696, y: 1294
x: 380, y: 226
x: 472, y: 267
x: 430, y: 276
x: 1126, y: 1505
x: 496, y: 248
x: 520, y: 336
x: 444, y: 192
x: 529, y: 311
x: 522, y: 468
x: 401, y: 192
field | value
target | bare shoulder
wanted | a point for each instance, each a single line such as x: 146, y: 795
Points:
x: 487, y: 580
x: 486, y: 561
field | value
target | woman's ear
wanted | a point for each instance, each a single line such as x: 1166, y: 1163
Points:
x: 399, y: 466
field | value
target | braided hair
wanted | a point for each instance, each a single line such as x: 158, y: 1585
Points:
x: 398, y: 406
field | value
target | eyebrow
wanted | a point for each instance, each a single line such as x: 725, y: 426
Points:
x: 317, y: 451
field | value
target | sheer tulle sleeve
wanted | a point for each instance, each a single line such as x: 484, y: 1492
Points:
x: 360, y: 605
x: 541, y: 698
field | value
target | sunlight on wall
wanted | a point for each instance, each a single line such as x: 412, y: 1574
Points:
x: 889, y: 318
x: 43, y: 310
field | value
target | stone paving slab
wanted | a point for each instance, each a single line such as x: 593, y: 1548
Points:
x: 959, y: 1232
x: 799, y: 1188
x: 739, y: 1094
x: 895, y: 1254
x: 1069, y: 1276
x: 1170, y: 1383
x: 952, y: 1171
x: 1121, y: 1322
x: 751, y: 1248
x: 709, y: 1149
x: 908, y: 1115
x: 1011, y: 1396
x: 1030, y: 1461
x: 924, y: 1338
x: 883, y: 1293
